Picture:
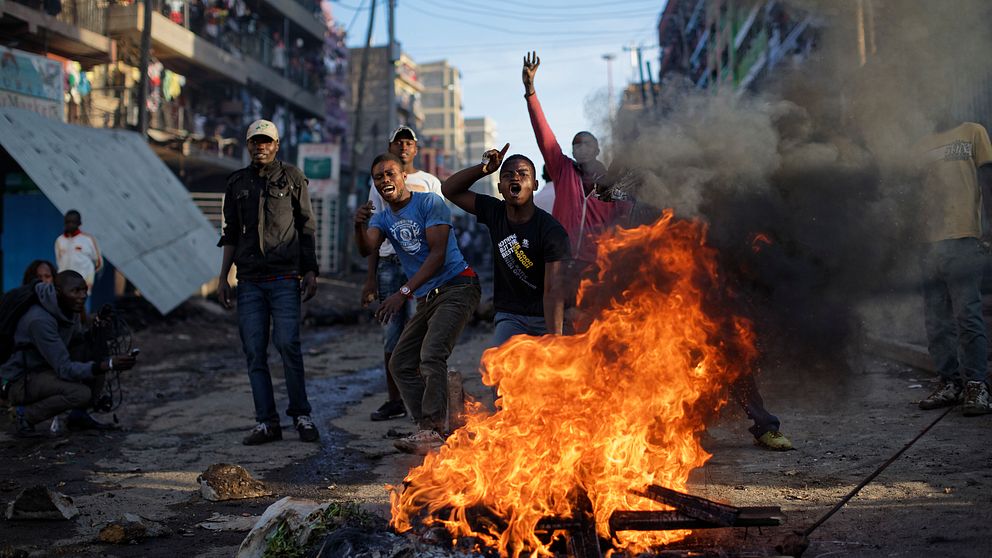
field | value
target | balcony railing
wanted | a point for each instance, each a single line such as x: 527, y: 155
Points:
x: 246, y: 37
x: 87, y: 14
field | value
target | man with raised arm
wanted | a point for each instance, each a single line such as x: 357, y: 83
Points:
x: 529, y: 246
x: 446, y: 289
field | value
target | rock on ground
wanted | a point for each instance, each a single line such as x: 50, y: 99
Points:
x: 131, y: 527
x: 223, y: 481
x: 38, y: 502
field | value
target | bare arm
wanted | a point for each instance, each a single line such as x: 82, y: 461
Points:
x: 437, y: 243
x: 371, y: 280
x: 456, y: 187
x: 554, y: 297
x: 368, y: 240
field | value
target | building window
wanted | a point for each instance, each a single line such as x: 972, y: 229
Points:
x: 434, y: 121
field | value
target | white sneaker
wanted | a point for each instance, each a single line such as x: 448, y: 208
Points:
x: 421, y: 442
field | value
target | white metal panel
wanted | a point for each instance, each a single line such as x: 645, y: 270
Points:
x: 139, y: 212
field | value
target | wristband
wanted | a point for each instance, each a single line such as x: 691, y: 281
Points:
x: 110, y: 363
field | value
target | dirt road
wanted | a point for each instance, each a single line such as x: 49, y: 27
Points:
x: 188, y: 405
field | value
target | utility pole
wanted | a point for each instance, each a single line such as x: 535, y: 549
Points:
x: 394, y: 58
x: 640, y: 71
x: 609, y: 79
x: 654, y: 91
x: 146, y: 47
x: 356, y: 146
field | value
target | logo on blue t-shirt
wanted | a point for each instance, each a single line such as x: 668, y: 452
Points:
x: 407, y: 233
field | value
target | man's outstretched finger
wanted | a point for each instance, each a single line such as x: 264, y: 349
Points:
x: 503, y: 151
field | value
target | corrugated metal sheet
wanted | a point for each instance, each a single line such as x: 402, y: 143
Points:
x: 139, y: 212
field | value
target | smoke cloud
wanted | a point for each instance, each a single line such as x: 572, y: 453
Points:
x: 808, y: 186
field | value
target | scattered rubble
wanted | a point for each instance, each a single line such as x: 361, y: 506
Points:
x: 131, y: 528
x: 223, y: 481
x: 291, y: 525
x: 221, y: 522
x: 38, y: 502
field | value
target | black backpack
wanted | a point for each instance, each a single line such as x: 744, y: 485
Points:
x: 14, y: 304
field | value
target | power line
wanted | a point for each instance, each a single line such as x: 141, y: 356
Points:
x: 568, y: 17
x: 353, y: 18
x: 584, y: 33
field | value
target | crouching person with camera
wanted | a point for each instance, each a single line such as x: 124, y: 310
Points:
x: 40, y: 379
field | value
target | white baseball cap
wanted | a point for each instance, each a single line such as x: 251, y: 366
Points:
x: 263, y: 128
x: 400, y: 130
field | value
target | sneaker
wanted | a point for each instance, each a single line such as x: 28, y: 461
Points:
x: 390, y: 410
x: 23, y: 428
x: 947, y: 394
x: 420, y: 442
x: 774, y: 440
x: 976, y: 399
x: 263, y: 433
x: 307, y: 429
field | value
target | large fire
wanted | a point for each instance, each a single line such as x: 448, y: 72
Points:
x: 608, y: 411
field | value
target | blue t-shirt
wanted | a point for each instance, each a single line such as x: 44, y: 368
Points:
x: 407, y: 231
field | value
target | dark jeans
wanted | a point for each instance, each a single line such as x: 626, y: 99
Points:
x: 745, y: 391
x: 420, y: 360
x: 259, y: 304
x: 952, y: 307
x: 44, y: 395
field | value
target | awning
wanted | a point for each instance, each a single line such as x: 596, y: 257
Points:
x: 139, y: 212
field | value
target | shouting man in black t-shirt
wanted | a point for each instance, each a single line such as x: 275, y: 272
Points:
x: 529, y: 245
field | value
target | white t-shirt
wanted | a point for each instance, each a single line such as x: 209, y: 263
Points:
x: 545, y: 197
x: 419, y: 181
x: 79, y: 253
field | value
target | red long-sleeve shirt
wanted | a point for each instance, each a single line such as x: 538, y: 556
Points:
x: 569, y: 194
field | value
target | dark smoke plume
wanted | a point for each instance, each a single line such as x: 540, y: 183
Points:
x: 808, y: 186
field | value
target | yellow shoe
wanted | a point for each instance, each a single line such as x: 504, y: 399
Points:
x: 775, y: 441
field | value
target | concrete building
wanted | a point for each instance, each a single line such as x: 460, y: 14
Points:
x: 444, y: 125
x: 375, y: 118
x: 730, y: 43
x: 212, y: 71
x: 480, y: 135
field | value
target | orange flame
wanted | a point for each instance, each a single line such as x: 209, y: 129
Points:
x: 611, y: 410
x: 759, y: 241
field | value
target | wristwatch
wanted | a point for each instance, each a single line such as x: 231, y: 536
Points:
x: 405, y: 291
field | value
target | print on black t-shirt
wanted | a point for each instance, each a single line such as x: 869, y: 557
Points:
x: 519, y: 254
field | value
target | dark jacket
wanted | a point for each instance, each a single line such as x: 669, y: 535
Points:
x: 269, y: 221
x: 44, y: 335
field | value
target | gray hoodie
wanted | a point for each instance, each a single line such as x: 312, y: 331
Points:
x: 44, y: 333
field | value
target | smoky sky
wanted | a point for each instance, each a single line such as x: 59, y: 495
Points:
x: 808, y: 182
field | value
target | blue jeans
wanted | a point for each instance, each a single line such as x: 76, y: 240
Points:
x: 278, y: 303
x: 508, y: 325
x: 952, y: 308
x: 390, y: 277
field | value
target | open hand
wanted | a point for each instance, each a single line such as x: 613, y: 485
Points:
x: 492, y: 159
x: 531, y: 63
x: 390, y: 306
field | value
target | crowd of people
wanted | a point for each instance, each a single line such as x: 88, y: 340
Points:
x: 426, y: 290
